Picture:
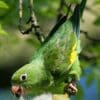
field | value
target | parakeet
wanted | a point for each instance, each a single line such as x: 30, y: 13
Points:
x: 55, y: 65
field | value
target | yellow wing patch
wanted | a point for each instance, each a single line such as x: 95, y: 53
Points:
x: 73, y: 54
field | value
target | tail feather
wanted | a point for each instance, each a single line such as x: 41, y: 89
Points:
x: 82, y: 6
x: 75, y: 18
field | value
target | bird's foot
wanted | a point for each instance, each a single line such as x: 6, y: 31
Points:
x: 71, y: 88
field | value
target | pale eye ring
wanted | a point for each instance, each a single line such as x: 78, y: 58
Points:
x: 23, y: 77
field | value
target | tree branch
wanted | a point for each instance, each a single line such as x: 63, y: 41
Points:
x: 60, y: 10
x: 32, y: 20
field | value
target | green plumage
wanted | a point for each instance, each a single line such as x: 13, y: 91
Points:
x: 50, y: 65
x: 55, y: 62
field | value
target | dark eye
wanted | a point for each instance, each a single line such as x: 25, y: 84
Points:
x: 23, y: 77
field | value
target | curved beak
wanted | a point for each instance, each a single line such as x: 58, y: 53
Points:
x: 17, y: 90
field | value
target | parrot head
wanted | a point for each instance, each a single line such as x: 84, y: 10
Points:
x: 28, y: 79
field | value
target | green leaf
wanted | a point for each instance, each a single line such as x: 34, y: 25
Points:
x: 74, y: 1
x: 3, y: 5
x: 97, y: 21
x: 97, y: 2
x: 82, y: 7
x: 47, y: 8
x: 2, y: 32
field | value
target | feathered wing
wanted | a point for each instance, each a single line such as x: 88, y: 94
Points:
x: 57, y: 53
x: 62, y: 51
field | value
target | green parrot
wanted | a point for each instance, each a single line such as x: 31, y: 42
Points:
x: 55, y: 66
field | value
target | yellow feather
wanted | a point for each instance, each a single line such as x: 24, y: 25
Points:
x: 73, y: 54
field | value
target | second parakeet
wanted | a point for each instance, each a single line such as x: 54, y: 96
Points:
x: 55, y: 65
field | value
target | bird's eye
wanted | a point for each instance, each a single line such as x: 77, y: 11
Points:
x: 23, y: 77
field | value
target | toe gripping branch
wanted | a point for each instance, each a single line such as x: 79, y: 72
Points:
x: 32, y: 21
x: 71, y: 88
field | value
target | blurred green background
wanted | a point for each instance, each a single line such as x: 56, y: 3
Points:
x: 17, y: 49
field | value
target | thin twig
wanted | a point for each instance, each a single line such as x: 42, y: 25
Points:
x: 32, y: 20
x: 34, y: 23
x: 20, y: 9
x: 68, y: 11
x: 60, y: 10
x: 20, y: 15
